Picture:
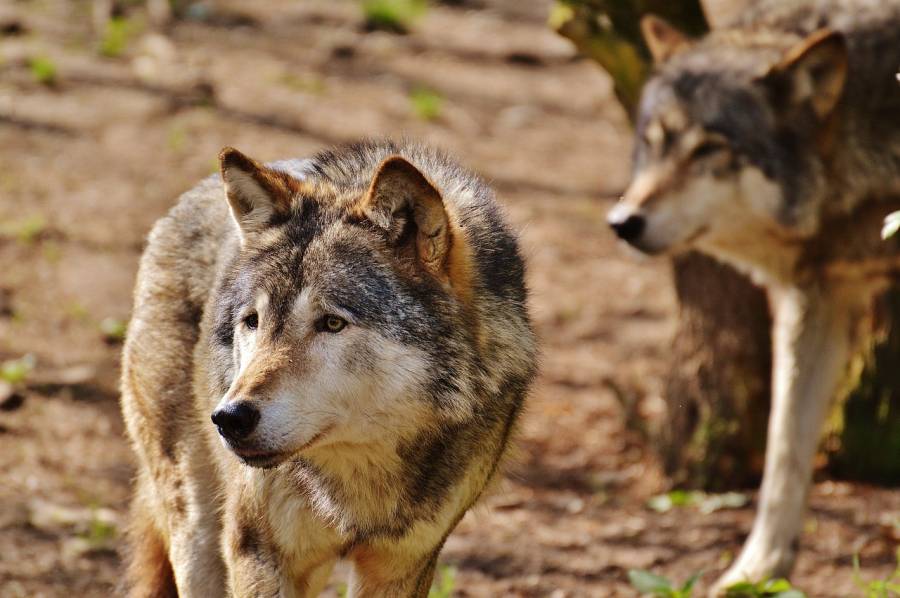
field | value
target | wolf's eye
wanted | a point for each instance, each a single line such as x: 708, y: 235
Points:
x: 252, y: 321
x: 707, y: 148
x: 332, y: 324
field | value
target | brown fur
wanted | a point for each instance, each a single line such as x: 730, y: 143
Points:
x: 368, y: 443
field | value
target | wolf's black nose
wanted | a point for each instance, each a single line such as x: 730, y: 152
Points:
x: 630, y: 228
x: 236, y: 420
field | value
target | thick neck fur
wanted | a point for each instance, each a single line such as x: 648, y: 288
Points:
x: 358, y: 489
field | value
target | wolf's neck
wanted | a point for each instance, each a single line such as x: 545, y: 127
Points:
x: 358, y: 489
x: 863, y: 168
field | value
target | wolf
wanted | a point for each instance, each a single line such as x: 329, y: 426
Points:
x: 327, y: 359
x: 773, y: 144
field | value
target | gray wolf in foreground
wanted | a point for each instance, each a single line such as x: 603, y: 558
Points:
x: 355, y: 326
x: 774, y: 145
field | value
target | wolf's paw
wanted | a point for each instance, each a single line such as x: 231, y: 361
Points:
x: 756, y: 563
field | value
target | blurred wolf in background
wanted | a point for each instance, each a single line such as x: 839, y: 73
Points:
x: 774, y: 144
x: 356, y: 327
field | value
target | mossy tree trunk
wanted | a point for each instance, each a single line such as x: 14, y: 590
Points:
x: 863, y: 438
x: 718, y: 387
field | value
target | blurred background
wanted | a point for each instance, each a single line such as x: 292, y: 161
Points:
x: 109, y: 110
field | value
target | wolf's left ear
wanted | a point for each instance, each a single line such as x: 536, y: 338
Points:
x: 256, y: 194
x: 815, y: 71
x: 662, y: 39
x: 402, y: 202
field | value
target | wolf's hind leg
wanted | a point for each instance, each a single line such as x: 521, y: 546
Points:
x: 812, y: 340
x: 148, y: 571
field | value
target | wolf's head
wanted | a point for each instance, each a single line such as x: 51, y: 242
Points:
x: 730, y: 133
x: 340, y: 312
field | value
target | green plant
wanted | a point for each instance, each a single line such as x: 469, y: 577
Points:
x: 770, y: 588
x: 649, y: 583
x: 113, y: 330
x: 444, y: 581
x: 705, y: 503
x: 426, y: 103
x: 116, y: 36
x: 878, y: 588
x: 43, y: 70
x: 100, y: 532
x: 16, y: 371
x: 392, y: 15
x: 26, y: 231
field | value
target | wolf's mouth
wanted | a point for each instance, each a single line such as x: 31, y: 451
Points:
x: 254, y: 457
x: 258, y: 458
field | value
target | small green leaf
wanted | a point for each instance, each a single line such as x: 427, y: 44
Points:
x: 113, y: 330
x: 393, y: 15
x: 116, y: 36
x: 776, y: 585
x: 741, y: 589
x: 16, y: 371
x: 646, y: 582
x: 43, y: 70
x: 444, y: 582
x: 426, y: 103
x: 689, y: 584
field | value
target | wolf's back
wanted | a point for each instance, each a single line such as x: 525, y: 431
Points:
x: 872, y: 31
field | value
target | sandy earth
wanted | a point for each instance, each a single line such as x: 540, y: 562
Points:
x: 87, y: 165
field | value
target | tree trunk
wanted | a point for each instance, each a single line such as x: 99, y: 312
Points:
x: 718, y: 387
x: 863, y: 439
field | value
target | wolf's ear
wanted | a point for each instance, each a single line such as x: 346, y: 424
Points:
x: 662, y: 39
x: 255, y: 193
x: 815, y: 71
x: 402, y: 201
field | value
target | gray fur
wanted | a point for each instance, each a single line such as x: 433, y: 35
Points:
x: 745, y: 151
x: 195, y: 282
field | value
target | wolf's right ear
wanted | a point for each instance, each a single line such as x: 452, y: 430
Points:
x: 662, y: 39
x: 256, y: 194
x: 401, y: 200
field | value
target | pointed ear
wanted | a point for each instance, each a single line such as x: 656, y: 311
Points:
x: 256, y: 194
x: 662, y: 39
x: 815, y: 71
x: 402, y: 201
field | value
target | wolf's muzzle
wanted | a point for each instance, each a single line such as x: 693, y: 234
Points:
x: 628, y: 227
x: 236, y: 421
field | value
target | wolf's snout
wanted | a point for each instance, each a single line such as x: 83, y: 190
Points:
x: 627, y: 225
x: 236, y: 421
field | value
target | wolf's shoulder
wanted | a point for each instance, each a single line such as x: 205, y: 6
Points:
x: 803, y: 17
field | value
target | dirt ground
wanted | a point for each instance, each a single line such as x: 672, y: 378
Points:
x: 87, y: 164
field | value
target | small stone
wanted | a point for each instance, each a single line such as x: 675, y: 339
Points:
x: 10, y: 399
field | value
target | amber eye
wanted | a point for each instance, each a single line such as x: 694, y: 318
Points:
x: 332, y: 324
x: 252, y: 321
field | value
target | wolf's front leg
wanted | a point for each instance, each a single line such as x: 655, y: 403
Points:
x: 387, y: 573
x: 254, y: 569
x: 812, y: 337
